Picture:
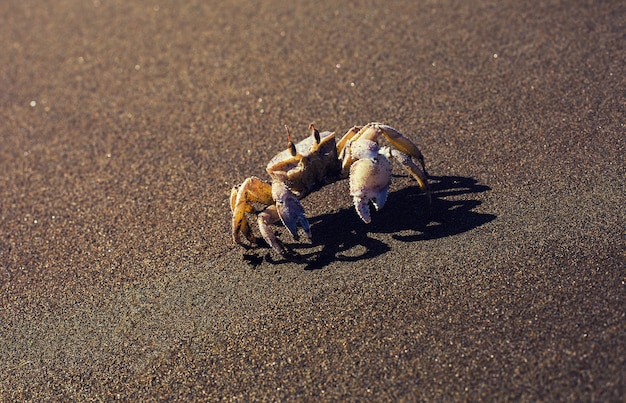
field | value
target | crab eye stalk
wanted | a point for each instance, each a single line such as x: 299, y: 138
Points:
x: 316, y: 133
x: 290, y: 145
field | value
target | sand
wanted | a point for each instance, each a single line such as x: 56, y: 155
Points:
x: 123, y: 126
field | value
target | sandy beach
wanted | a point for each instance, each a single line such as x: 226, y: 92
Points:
x: 124, y: 126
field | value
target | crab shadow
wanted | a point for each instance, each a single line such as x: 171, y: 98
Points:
x: 407, y: 215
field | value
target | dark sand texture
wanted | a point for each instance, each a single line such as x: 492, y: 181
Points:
x: 123, y: 126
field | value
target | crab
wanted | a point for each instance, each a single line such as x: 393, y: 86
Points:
x: 314, y: 162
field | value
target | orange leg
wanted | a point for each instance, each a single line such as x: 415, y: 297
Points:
x: 252, y: 190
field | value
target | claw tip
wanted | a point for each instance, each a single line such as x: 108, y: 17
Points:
x: 362, y: 209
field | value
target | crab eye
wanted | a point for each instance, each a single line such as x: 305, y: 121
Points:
x: 290, y: 145
x: 316, y: 133
x: 292, y: 149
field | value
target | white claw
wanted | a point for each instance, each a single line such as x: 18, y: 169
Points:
x: 380, y: 198
x: 290, y: 210
x: 362, y: 207
x: 369, y: 181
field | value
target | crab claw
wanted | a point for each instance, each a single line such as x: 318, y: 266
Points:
x: 290, y: 210
x: 369, y: 181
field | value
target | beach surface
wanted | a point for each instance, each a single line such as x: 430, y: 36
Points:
x: 124, y: 126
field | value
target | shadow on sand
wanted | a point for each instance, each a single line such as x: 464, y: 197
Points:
x: 344, y: 237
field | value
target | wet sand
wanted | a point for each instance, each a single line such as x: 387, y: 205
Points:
x: 123, y: 127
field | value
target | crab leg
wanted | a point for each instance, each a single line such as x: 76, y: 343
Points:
x: 341, y: 145
x: 264, y: 220
x: 399, y: 141
x: 250, y: 191
x: 414, y: 170
x: 372, y: 131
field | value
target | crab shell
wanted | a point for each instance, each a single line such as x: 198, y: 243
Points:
x: 312, y: 165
